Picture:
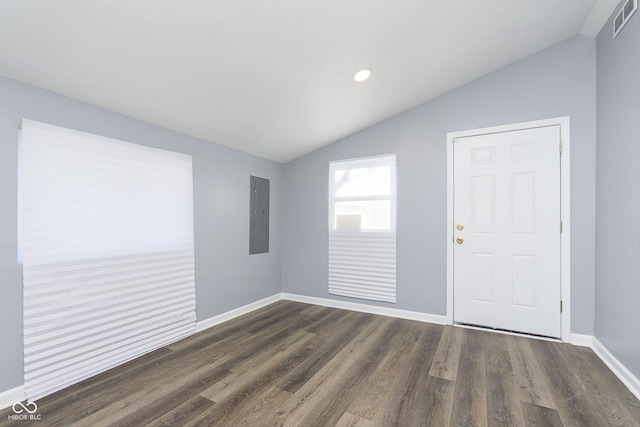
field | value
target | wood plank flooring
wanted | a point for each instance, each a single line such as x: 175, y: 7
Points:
x: 293, y: 364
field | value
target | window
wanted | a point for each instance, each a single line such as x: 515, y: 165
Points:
x: 362, y: 195
x: 362, y: 228
x: 107, y: 251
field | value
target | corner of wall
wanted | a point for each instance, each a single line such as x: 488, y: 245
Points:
x: 621, y: 371
x: 9, y: 397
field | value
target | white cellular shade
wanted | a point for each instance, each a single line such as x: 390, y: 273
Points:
x: 363, y: 265
x: 362, y: 236
x: 107, y: 251
x: 87, y: 197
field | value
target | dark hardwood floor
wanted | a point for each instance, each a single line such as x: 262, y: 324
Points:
x: 293, y: 364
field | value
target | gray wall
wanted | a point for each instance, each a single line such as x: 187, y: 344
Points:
x: 617, y: 310
x: 226, y: 276
x: 558, y: 81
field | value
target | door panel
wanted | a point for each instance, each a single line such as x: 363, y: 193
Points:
x: 483, y: 283
x: 507, y: 230
x: 483, y: 204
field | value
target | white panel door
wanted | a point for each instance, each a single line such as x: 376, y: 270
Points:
x: 507, y: 230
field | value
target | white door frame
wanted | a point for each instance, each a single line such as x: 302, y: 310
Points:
x: 565, y: 211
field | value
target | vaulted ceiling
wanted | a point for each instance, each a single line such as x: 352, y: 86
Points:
x: 274, y: 77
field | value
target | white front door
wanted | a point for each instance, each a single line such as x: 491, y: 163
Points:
x: 506, y: 260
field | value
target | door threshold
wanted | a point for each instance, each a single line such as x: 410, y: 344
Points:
x: 506, y: 332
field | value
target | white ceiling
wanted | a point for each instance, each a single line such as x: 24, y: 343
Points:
x: 273, y: 78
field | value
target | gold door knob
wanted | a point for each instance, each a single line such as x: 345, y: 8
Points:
x: 459, y: 240
x: 460, y: 227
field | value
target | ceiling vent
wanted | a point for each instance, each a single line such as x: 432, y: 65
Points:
x: 623, y: 16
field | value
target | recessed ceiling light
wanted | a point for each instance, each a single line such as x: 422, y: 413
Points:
x: 362, y: 75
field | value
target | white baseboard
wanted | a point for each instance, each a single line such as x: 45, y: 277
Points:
x: 371, y: 309
x: 627, y: 378
x: 9, y: 397
x: 582, y: 340
x: 364, y: 308
x: 216, y: 320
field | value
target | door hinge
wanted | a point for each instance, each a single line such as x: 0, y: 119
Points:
x: 560, y: 306
x: 560, y: 227
x: 560, y: 147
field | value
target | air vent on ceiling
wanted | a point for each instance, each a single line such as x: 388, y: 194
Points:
x: 623, y: 16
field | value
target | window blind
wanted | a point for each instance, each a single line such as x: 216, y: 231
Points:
x: 106, y: 234
x: 362, y: 228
